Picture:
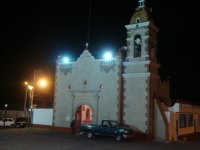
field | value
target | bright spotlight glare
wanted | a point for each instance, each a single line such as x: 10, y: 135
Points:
x: 108, y: 56
x: 30, y: 87
x: 42, y: 83
x: 66, y: 60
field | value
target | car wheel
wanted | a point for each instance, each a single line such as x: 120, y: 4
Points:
x: 118, y: 137
x: 89, y: 135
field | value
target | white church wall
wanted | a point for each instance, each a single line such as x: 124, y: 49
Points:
x: 109, y: 95
x: 82, y: 86
x: 160, y: 133
x: 62, y: 94
x: 136, y: 98
x: 136, y: 67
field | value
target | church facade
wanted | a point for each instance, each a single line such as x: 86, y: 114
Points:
x: 126, y: 88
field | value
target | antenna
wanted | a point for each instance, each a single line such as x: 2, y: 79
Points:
x: 89, y: 18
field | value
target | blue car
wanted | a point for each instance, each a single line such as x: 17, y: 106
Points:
x: 106, y: 128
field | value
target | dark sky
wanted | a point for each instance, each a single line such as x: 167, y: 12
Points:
x: 34, y: 33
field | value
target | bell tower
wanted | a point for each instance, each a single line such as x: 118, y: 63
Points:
x: 141, y: 35
x: 141, y: 71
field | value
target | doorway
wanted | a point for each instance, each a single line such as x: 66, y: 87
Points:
x: 83, y: 115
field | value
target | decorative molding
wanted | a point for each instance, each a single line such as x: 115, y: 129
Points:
x: 143, y: 24
x: 66, y: 68
x: 107, y: 65
x: 131, y: 63
x: 129, y: 75
x: 85, y: 93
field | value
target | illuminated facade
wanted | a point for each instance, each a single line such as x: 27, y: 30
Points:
x: 128, y: 90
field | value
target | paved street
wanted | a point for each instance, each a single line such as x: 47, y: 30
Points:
x: 44, y: 139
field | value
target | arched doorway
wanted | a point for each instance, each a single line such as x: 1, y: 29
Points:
x: 83, y: 115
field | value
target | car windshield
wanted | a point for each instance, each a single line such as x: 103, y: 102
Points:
x: 114, y: 124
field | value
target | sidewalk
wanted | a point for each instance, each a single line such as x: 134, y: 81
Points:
x: 190, y: 137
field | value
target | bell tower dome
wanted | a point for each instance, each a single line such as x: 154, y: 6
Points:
x: 141, y: 35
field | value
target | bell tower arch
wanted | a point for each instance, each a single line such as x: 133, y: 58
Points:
x: 141, y: 35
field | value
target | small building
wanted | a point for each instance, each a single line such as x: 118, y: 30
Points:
x: 184, y: 120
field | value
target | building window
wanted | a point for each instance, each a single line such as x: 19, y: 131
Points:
x: 137, y: 20
x: 137, y: 46
x: 190, y: 120
x: 182, y: 120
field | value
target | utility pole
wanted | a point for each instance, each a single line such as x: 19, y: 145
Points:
x: 5, y: 108
x: 33, y: 84
x: 25, y: 100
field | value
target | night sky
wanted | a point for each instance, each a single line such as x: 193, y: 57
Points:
x: 34, y: 33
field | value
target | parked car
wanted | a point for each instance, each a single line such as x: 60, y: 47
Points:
x: 106, y: 128
x: 8, y: 122
x: 20, y: 122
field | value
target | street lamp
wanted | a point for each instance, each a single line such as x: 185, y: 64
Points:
x: 5, y: 107
x: 28, y: 88
x: 40, y: 83
x: 30, y: 117
x: 31, y: 88
x: 25, y: 98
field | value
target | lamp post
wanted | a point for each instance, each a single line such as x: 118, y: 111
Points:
x: 31, y: 88
x: 40, y: 83
x: 32, y: 91
x: 26, y: 95
x: 30, y: 116
x: 5, y: 107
